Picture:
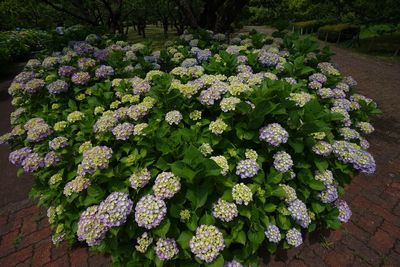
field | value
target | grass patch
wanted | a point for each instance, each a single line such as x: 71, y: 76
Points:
x: 154, y: 34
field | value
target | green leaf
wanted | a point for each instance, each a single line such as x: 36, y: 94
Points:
x: 184, y: 238
x: 297, y: 145
x: 274, y: 176
x: 322, y: 165
x: 283, y: 222
x: 269, y: 207
x: 316, y: 185
x: 218, y: 262
x: 163, y: 228
x: 256, y: 237
x: 317, y: 207
x: 198, y: 196
x: 207, y: 219
x: 180, y: 169
x: 241, y: 238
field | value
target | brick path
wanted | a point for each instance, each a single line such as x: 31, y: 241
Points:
x: 372, y: 238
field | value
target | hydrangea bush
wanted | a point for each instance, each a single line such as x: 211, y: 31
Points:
x: 199, y: 154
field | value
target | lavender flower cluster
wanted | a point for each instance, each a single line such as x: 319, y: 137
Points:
x: 207, y: 243
x: 274, y: 134
x: 95, y: 221
x: 95, y: 158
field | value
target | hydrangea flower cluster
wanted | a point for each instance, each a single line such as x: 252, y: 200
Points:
x: 173, y: 117
x: 166, y: 249
x: 299, y: 213
x: 274, y: 134
x: 222, y: 162
x: 273, y: 233
x: 224, y: 210
x: 95, y: 158
x: 95, y: 221
x: 282, y: 161
x: 58, y: 142
x: 150, y: 211
x: 123, y: 131
x: 143, y: 242
x: 218, y: 126
x: 322, y: 148
x: 207, y: 243
x: 247, y: 168
x: 140, y: 178
x: 242, y: 194
x: 353, y: 154
x: 166, y: 185
x: 57, y: 87
x: 329, y: 195
x: 344, y: 210
x: 294, y: 238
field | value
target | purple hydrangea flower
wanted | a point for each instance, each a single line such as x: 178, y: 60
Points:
x: 32, y: 163
x: 104, y: 71
x: 114, y: 210
x: 293, y: 237
x: 57, y: 87
x: 318, y: 77
x: 329, y: 195
x: 282, y: 161
x: 150, y: 211
x: 273, y: 233
x: 166, y: 248
x: 298, y: 211
x: 17, y: 156
x: 80, y: 78
x: 95, y: 158
x: 247, y: 168
x: 123, y: 131
x: 166, y: 185
x: 274, y: 134
x: 344, y: 210
x: 353, y: 154
x: 51, y: 159
x: 268, y: 59
x: 66, y: 71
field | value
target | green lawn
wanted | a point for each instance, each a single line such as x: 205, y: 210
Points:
x: 154, y: 34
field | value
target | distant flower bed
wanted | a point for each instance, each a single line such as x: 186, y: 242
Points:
x: 193, y: 155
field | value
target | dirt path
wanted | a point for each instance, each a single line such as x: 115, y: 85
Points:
x: 372, y: 238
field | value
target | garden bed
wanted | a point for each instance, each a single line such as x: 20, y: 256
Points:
x: 201, y: 145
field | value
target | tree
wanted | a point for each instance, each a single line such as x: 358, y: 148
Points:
x: 216, y: 15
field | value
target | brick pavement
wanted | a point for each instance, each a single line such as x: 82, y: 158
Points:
x: 371, y: 238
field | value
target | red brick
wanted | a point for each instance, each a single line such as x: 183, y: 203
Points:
x: 59, y: 251
x: 3, y: 219
x: 99, y: 260
x: 355, y: 231
x: 37, y: 236
x: 335, y: 236
x: 396, y: 185
x: 26, y: 263
x: 338, y: 259
x: 381, y: 242
x: 79, y: 257
x: 29, y: 225
x: 369, y: 222
x: 297, y: 263
x: 60, y: 262
x: 26, y: 212
x: 17, y: 257
x: 391, y: 229
x: 42, y: 254
x: 6, y: 245
x: 362, y: 250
